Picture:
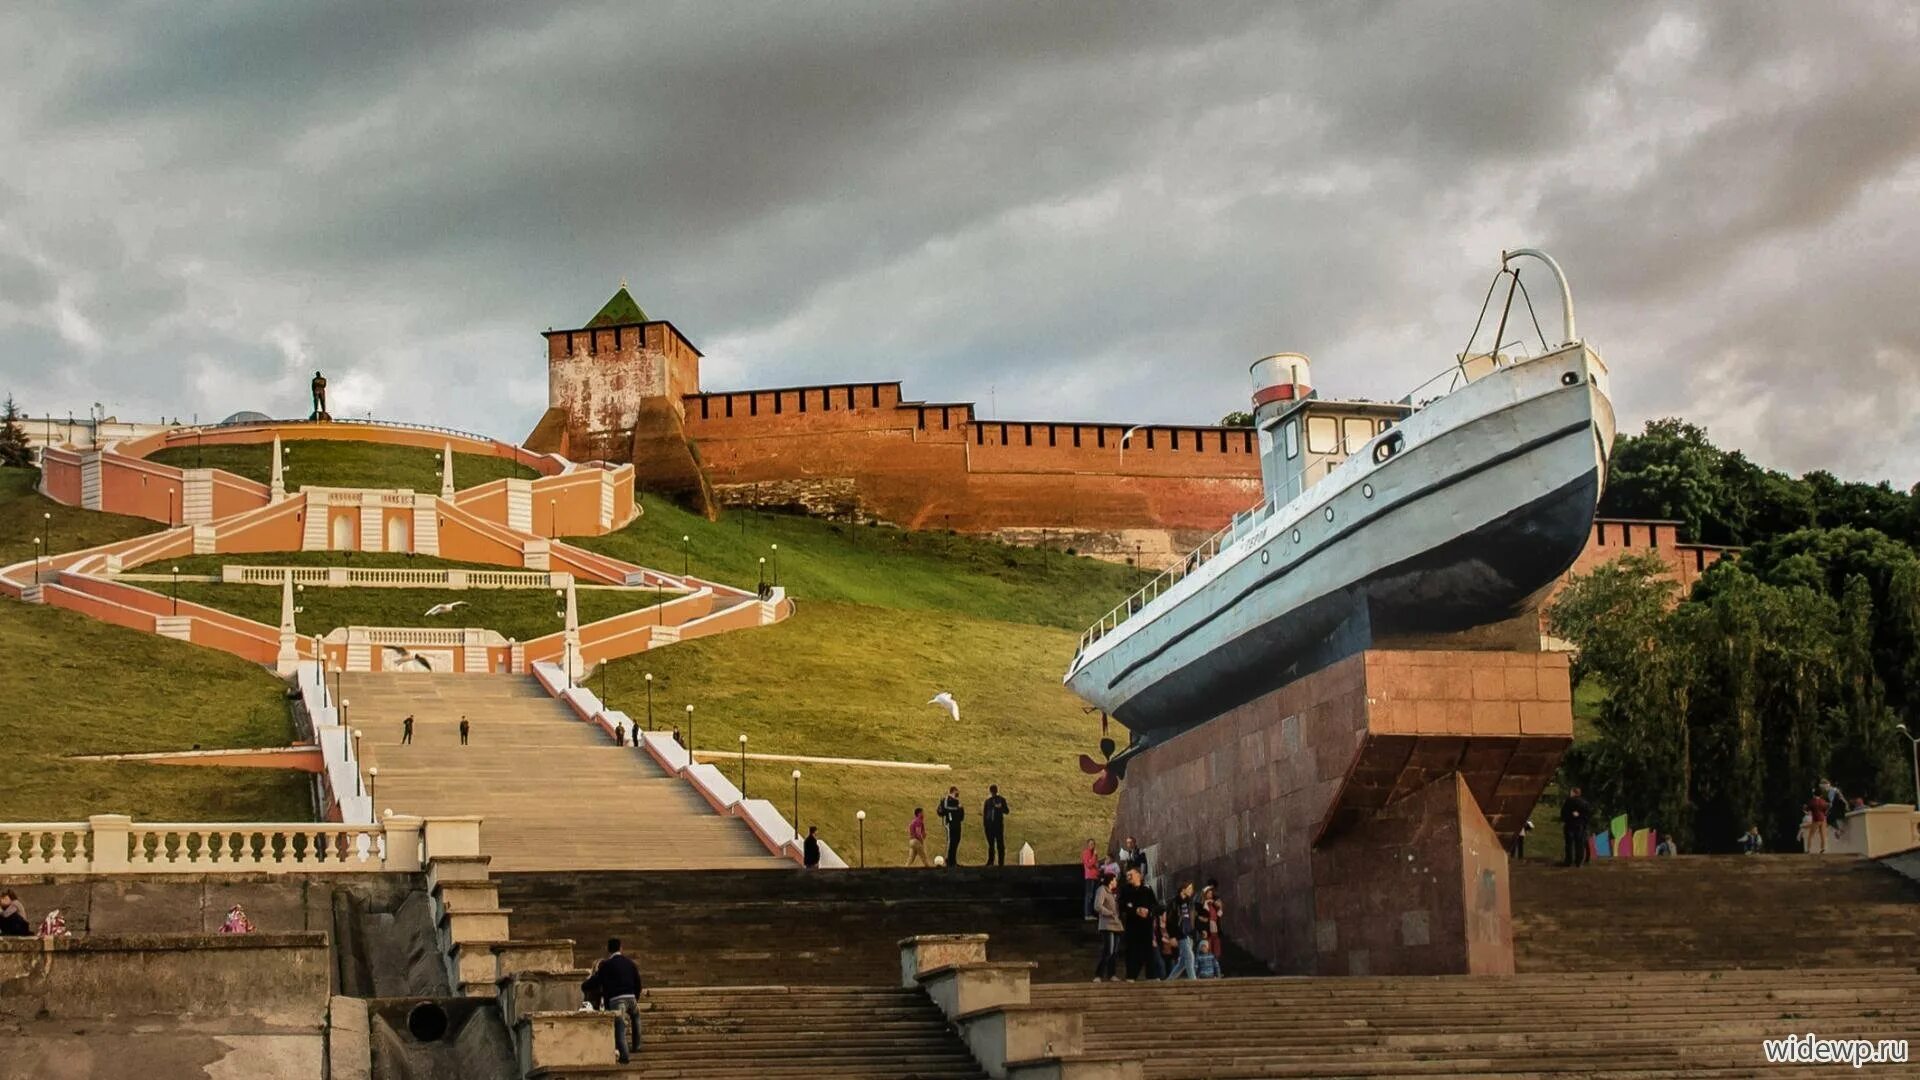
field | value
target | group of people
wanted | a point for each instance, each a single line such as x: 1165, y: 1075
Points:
x: 13, y: 920
x: 993, y: 822
x: 1179, y: 939
x: 1825, y: 812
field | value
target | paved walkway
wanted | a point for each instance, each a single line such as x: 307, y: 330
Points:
x: 556, y: 795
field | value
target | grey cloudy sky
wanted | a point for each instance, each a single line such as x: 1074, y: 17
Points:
x: 1064, y: 210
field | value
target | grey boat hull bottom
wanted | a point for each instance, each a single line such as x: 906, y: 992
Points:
x: 1487, y: 575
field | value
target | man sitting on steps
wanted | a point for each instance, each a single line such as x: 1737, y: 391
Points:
x: 616, y: 982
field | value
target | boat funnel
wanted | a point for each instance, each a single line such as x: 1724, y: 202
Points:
x: 1279, y: 381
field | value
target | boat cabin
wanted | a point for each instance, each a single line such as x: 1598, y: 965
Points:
x: 1303, y: 436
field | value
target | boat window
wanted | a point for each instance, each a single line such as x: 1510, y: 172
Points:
x: 1385, y: 424
x: 1356, y: 430
x: 1293, y: 439
x: 1323, y: 435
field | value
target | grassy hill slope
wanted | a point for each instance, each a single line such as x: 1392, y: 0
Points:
x: 884, y: 620
x: 328, y: 463
x: 71, y: 685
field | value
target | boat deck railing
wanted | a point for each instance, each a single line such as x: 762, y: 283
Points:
x: 1445, y: 381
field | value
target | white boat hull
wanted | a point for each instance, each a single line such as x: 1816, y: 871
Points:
x: 1489, y: 499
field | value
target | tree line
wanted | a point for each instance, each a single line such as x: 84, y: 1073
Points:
x: 1788, y: 664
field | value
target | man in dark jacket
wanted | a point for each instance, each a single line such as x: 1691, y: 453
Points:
x: 1576, y: 822
x: 1138, y: 908
x: 993, y: 818
x: 810, y: 851
x: 616, y: 982
x: 953, y: 813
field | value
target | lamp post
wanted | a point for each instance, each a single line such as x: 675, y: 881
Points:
x: 763, y: 576
x: 776, y: 565
x: 659, y: 598
x: 690, y: 760
x: 373, y: 776
x: 356, y: 758
x: 649, y: 701
x: 39, y: 549
x: 861, y: 817
x: 796, y: 802
x: 1916, y: 763
x: 686, y: 562
x: 299, y: 605
x: 46, y: 530
x: 603, y: 684
x: 553, y: 519
x: 743, y: 765
x: 176, y: 590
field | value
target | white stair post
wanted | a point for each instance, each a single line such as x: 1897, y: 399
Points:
x: 572, y: 648
x: 288, y: 659
x: 278, y: 486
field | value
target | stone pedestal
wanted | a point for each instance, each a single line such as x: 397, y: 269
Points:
x: 1355, y: 818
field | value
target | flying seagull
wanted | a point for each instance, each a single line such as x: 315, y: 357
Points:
x: 945, y: 701
x: 444, y: 609
x: 399, y: 659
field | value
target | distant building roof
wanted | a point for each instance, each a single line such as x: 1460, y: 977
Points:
x: 619, y: 311
x: 248, y: 417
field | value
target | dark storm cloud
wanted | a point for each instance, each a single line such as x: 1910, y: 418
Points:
x: 1062, y: 210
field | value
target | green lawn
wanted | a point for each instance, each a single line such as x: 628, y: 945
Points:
x: 884, y: 620
x: 851, y: 680
x: 521, y: 614
x: 23, y: 518
x: 877, y: 565
x: 327, y: 463
x: 72, y: 685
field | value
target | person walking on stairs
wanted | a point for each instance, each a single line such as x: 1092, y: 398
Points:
x: 917, y: 837
x: 463, y: 731
x: 1106, y: 906
x: 616, y: 982
x: 1576, y: 820
x: 1182, y: 924
x: 1138, y: 907
x: 406, y: 730
x: 953, y: 813
x: 993, y: 819
x: 810, y: 851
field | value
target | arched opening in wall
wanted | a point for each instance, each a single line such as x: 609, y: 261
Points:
x: 344, y: 532
x: 399, y: 533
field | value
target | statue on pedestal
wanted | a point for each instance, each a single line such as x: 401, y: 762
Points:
x: 319, y: 398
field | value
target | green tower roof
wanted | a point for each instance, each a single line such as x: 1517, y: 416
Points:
x: 619, y: 311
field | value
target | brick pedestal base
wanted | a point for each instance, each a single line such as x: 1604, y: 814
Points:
x: 1355, y: 817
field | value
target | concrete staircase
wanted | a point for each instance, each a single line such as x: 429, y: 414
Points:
x: 554, y: 793
x: 1616, y: 1024
x: 840, y: 928
x: 747, y: 1033
x: 1691, y: 912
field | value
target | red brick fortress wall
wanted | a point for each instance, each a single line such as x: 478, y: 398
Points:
x: 1353, y: 817
x: 859, y: 449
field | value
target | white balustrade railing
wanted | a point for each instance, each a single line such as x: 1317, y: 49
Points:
x: 115, y: 844
x: 398, y: 635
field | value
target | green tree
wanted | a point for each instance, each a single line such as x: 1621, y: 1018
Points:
x: 14, y: 451
x: 1237, y: 419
